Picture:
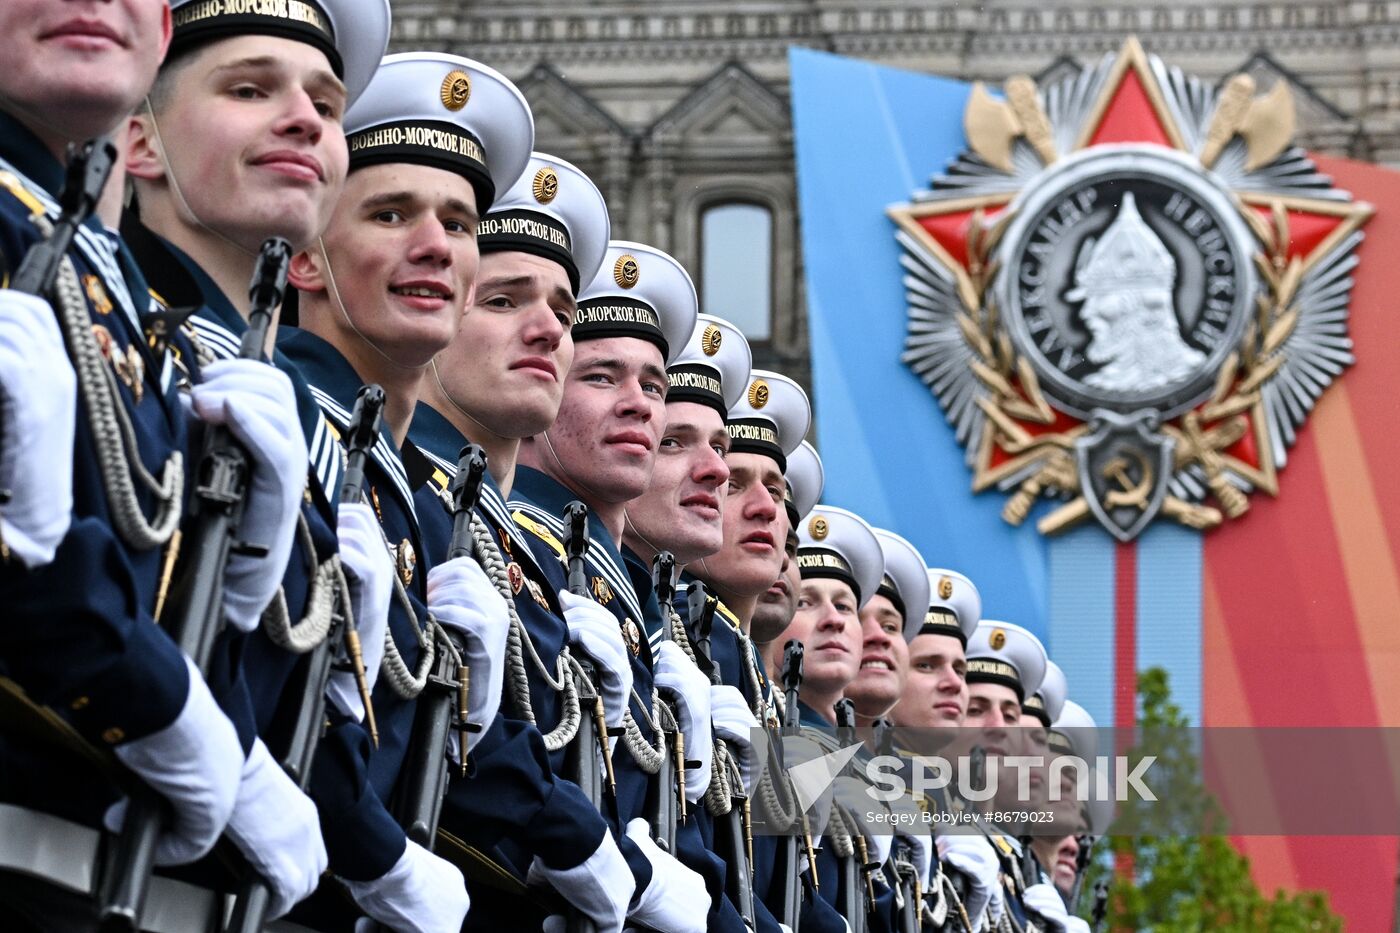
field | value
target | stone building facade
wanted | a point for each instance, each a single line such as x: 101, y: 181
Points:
x: 679, y: 108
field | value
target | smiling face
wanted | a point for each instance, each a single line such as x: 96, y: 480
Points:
x: 828, y: 625
x: 1060, y: 856
x: 751, y: 557
x: 884, y: 658
x: 255, y: 145
x: 611, y: 419
x: 507, y: 364
x: 77, y: 69
x: 400, y: 254
x: 682, y: 509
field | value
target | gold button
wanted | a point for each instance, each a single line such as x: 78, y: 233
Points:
x: 113, y: 735
x: 79, y: 703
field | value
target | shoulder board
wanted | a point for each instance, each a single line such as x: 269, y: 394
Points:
x: 539, y: 531
x: 11, y: 182
x: 1001, y: 843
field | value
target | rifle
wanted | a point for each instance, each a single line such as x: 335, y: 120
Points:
x: 216, y: 509
x: 791, y: 906
x: 910, y: 891
x: 420, y: 800
x: 592, y: 726
x: 734, y: 834
x: 1100, y: 905
x: 88, y: 169
x: 670, y: 801
x: 254, y: 897
x: 853, y: 886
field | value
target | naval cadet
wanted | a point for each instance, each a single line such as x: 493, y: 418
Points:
x: 633, y: 317
x: 431, y: 141
x: 803, y: 481
x: 841, y: 565
x: 681, y: 513
x: 502, y: 379
x: 1005, y: 664
x: 765, y: 426
x: 92, y: 655
x: 240, y: 140
x: 888, y: 621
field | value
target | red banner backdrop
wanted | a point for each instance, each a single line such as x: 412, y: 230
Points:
x: 1301, y: 599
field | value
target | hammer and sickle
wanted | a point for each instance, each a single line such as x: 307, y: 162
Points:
x: 1128, y: 494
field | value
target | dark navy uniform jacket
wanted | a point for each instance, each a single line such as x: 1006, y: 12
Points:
x: 178, y: 282
x: 513, y: 805
x: 78, y: 634
x: 352, y: 783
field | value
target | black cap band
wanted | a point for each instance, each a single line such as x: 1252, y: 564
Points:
x: 614, y: 316
x: 204, y: 21
x: 526, y: 231
x: 756, y: 436
x: 1059, y: 743
x: 1035, y: 706
x: 825, y: 563
x: 992, y: 671
x: 425, y: 142
x: 943, y: 622
x: 790, y: 504
x: 887, y: 590
x: 696, y: 382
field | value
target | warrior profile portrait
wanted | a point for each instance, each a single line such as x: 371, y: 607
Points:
x: 1125, y: 281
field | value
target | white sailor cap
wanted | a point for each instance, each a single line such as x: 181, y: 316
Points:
x: 1006, y: 654
x: 837, y: 544
x: 1045, y: 704
x: 954, y: 605
x: 554, y: 211
x: 905, y: 581
x: 770, y: 418
x: 1074, y: 732
x: 353, y: 34
x: 712, y: 368
x: 449, y: 112
x: 803, y: 482
x: 641, y: 292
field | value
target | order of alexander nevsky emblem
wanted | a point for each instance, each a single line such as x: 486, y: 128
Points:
x: 1129, y: 293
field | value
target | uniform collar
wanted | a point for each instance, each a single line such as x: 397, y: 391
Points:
x: 548, y: 497
x: 181, y: 283
x: 808, y: 716
x: 434, y: 434
x: 25, y: 152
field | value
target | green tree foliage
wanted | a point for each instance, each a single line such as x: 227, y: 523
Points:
x: 1187, y: 877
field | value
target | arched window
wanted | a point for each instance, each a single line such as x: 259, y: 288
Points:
x: 736, y: 266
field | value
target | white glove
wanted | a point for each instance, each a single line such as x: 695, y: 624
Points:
x: 277, y: 829
x: 597, y: 634
x: 466, y: 602
x: 691, y: 689
x: 38, y: 404
x: 370, y: 572
x: 910, y: 826
x: 601, y: 887
x: 421, y: 893
x: 676, y: 900
x: 256, y: 402
x: 1076, y: 925
x: 195, y: 764
x: 1046, y: 901
x: 734, y: 723
x: 974, y: 856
